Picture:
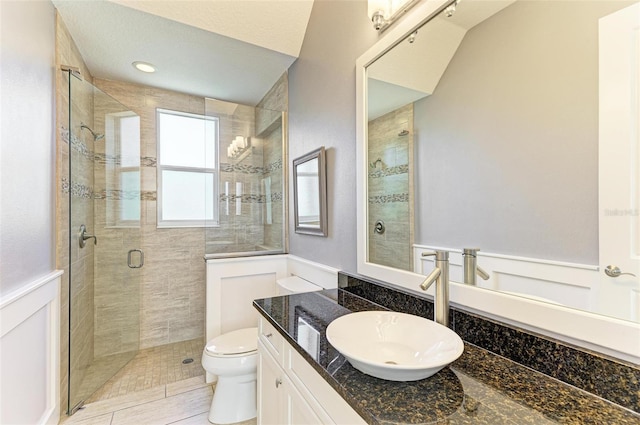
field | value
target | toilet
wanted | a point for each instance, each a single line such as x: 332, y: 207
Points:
x: 233, y: 357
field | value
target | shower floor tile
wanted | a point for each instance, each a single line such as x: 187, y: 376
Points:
x: 155, y: 367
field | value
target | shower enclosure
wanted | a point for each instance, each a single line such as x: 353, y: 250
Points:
x: 104, y: 218
x: 99, y: 221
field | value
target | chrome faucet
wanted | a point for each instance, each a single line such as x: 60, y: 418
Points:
x: 440, y: 275
x: 470, y: 266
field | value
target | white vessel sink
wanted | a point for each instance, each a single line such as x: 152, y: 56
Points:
x: 394, y: 346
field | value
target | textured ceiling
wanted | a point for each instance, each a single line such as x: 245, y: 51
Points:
x: 231, y: 50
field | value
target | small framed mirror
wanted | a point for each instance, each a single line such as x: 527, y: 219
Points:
x: 310, y: 193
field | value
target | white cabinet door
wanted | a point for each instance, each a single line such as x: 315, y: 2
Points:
x: 272, y: 398
x: 300, y: 413
x: 299, y: 395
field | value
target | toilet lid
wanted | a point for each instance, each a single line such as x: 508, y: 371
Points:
x: 235, y: 342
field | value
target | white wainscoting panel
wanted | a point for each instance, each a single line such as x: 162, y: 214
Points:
x: 29, y: 353
x: 567, y: 284
x: 535, y: 282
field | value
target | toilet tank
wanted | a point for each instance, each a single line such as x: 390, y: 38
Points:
x: 293, y: 285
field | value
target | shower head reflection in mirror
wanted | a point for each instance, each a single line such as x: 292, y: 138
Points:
x: 515, y: 176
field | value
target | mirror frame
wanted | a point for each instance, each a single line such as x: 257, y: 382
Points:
x: 322, y: 228
x: 606, y: 335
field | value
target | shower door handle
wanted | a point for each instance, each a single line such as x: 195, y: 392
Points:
x: 129, y: 261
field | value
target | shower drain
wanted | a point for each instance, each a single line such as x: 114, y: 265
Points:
x: 187, y: 360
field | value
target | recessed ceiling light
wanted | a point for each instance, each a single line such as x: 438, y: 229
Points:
x: 144, y: 66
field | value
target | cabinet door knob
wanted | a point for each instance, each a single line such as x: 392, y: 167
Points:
x: 278, y: 382
x: 269, y: 335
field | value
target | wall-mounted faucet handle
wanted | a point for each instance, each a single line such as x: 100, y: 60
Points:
x: 83, y: 236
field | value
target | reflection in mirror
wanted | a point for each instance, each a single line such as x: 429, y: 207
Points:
x: 496, y: 113
x: 310, y: 193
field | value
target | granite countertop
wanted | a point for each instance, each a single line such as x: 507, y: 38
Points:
x: 478, y: 388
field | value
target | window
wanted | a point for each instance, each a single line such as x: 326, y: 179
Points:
x: 187, y: 171
x: 122, y: 169
x: 129, y: 170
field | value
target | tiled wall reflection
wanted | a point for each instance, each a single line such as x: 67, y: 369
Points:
x: 390, y: 153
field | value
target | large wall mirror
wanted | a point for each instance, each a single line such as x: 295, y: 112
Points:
x: 511, y: 126
x: 310, y: 193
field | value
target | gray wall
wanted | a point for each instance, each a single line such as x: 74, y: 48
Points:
x: 508, y: 165
x: 322, y: 113
x: 27, y: 154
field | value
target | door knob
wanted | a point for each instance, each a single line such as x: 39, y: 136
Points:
x: 614, y: 271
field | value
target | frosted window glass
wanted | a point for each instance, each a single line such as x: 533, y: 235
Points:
x: 183, y: 195
x: 187, y: 141
x: 130, y: 141
x: 130, y: 198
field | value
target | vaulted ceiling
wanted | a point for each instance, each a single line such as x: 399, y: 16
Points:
x: 226, y: 49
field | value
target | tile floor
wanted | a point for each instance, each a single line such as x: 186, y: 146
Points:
x: 154, y: 367
x: 154, y: 388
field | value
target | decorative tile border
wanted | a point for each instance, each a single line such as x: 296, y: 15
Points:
x: 389, y: 171
x: 249, y: 198
x: 592, y: 372
x: 76, y: 144
x: 225, y: 167
x: 119, y: 195
x: 387, y: 199
x: 77, y: 190
x: 106, y: 159
x: 274, y: 166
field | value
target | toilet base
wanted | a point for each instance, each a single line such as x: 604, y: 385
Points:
x: 234, y: 399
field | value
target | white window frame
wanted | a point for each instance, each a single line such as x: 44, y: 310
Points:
x: 162, y: 223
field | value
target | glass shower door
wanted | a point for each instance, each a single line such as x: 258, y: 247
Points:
x: 104, y: 238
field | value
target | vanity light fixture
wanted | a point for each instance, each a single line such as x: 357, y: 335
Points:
x: 383, y: 12
x: 238, y: 147
x: 144, y: 66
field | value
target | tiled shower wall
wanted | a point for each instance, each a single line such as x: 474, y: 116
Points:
x: 251, y: 227
x: 240, y: 227
x: 271, y: 115
x: 390, y: 181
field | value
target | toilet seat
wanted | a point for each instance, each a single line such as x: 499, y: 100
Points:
x: 238, y: 343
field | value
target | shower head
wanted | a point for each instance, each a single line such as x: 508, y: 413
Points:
x: 96, y: 136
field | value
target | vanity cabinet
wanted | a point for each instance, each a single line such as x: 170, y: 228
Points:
x: 290, y: 391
